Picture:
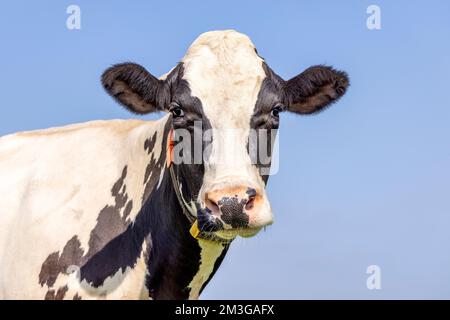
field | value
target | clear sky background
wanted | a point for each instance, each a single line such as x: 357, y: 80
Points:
x: 365, y: 183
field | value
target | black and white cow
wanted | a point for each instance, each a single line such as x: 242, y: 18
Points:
x: 100, y: 210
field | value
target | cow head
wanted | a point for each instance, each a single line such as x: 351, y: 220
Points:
x: 224, y: 95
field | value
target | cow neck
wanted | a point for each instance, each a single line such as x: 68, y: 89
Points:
x: 173, y: 256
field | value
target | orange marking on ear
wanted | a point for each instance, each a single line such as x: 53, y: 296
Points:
x: 169, y: 149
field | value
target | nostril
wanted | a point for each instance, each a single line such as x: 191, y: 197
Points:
x: 212, y: 205
x: 250, y: 203
x: 251, y: 198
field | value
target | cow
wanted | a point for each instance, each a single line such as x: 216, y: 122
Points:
x: 101, y: 210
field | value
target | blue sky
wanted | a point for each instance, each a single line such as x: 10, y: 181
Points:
x: 365, y: 183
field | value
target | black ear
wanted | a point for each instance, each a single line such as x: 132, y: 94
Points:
x: 314, y: 89
x: 135, y: 88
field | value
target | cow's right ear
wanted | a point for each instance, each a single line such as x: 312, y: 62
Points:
x: 135, y: 88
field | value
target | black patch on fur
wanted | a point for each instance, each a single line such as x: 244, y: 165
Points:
x: 174, y: 255
x: 190, y: 176
x: 155, y: 165
x: 149, y: 143
x: 269, y: 96
x: 58, y: 295
x: 71, y: 255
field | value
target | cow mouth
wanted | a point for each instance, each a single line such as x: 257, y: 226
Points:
x: 233, y: 233
x: 224, y: 235
x: 227, y: 236
x: 211, y: 227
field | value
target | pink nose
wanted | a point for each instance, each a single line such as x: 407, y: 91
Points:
x: 234, y: 206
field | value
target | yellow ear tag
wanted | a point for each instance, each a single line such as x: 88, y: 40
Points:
x: 194, y: 231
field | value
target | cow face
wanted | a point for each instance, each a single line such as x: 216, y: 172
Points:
x: 225, y: 99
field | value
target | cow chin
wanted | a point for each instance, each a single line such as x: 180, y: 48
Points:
x: 233, y: 233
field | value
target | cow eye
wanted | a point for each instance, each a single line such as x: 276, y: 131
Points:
x: 276, y: 111
x: 176, y: 110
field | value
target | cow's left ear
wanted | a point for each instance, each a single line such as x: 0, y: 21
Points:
x: 135, y: 88
x: 314, y: 89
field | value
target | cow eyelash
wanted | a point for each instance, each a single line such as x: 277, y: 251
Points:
x: 276, y: 110
x: 176, y: 110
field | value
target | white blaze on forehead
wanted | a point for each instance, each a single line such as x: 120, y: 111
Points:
x: 225, y: 72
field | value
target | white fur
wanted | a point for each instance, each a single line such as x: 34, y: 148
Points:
x: 209, y: 253
x: 54, y: 184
